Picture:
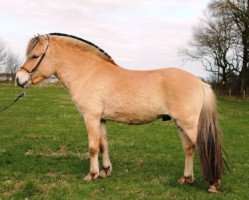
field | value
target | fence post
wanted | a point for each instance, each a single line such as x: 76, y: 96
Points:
x: 230, y: 93
x: 244, y: 95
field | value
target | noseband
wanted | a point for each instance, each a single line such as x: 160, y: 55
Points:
x: 37, y: 64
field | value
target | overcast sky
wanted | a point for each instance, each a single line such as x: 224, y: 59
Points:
x: 138, y: 34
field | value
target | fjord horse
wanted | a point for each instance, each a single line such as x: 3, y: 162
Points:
x: 104, y: 91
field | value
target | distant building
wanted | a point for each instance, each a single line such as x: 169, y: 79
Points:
x: 5, y: 77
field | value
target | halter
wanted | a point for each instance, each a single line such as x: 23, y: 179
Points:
x: 37, y: 64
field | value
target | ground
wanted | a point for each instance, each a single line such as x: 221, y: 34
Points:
x: 43, y: 153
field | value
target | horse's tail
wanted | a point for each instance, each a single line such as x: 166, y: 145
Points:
x: 209, y: 139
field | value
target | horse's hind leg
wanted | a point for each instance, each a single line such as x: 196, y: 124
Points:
x: 188, y: 146
x: 107, y: 166
x: 93, y: 131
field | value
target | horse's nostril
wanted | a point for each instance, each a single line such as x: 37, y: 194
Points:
x: 17, y: 80
x: 18, y: 83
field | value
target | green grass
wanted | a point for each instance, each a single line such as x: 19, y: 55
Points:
x: 43, y: 153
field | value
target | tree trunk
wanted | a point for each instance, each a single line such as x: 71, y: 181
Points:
x: 245, y: 65
x: 13, y: 75
x: 244, y: 71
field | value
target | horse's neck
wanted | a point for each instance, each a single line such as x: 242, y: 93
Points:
x: 78, y: 71
x: 68, y: 72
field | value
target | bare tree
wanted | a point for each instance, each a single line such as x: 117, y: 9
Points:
x: 237, y: 12
x: 9, y: 61
x: 214, y: 44
x: 2, y: 54
x: 12, y: 63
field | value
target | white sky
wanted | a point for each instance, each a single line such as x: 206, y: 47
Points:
x: 138, y: 34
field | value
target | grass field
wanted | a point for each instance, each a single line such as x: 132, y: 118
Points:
x: 43, y: 153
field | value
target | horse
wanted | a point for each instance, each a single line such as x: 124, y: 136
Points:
x: 102, y: 91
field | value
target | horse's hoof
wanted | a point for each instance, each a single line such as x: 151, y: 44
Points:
x: 212, y: 189
x: 91, y: 177
x: 186, y: 180
x: 105, y: 172
x: 102, y: 174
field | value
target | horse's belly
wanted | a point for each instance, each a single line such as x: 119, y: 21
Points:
x: 137, y: 106
x: 132, y: 116
x: 132, y: 120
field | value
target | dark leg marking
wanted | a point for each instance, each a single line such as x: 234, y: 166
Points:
x: 186, y: 180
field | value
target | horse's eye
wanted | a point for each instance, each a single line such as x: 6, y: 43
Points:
x: 34, y: 57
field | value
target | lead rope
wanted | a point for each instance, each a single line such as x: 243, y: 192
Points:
x: 22, y: 94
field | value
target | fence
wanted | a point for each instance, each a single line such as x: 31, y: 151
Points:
x: 231, y: 92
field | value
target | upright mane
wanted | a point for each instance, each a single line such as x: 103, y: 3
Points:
x: 32, y: 43
x: 88, y: 46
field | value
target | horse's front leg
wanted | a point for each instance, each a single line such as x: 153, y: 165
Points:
x: 93, y: 131
x: 107, y: 166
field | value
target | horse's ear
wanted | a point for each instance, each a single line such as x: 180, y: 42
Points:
x: 43, y: 39
x: 48, y: 38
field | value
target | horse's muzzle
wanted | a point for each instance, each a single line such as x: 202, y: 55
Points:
x: 22, y: 78
x: 20, y: 84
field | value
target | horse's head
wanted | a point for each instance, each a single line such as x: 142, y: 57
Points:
x: 38, y: 65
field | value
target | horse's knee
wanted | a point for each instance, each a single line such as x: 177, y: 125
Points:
x: 93, y: 151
